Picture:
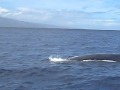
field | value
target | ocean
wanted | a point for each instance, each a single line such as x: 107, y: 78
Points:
x: 36, y: 59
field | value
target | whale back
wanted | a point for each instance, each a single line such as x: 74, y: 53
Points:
x: 115, y: 57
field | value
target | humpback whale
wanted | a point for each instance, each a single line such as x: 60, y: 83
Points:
x: 114, y: 57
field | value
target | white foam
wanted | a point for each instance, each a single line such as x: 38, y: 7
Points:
x: 99, y: 60
x: 57, y: 59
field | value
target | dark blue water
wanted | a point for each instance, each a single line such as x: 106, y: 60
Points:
x: 25, y: 64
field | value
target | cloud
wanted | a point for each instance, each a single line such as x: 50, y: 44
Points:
x: 27, y: 14
x: 24, y: 10
x: 3, y: 10
x: 83, y: 18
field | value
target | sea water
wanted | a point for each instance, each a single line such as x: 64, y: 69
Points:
x: 37, y: 59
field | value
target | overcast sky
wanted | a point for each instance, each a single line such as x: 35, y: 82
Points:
x: 97, y: 14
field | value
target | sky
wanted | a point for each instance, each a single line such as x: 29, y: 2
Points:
x: 87, y: 14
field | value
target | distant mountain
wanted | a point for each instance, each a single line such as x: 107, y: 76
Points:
x: 6, y: 22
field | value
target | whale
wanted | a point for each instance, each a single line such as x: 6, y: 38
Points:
x: 113, y: 57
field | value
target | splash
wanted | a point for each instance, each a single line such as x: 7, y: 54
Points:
x: 57, y: 59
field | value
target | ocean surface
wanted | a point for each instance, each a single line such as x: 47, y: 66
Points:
x: 36, y: 59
